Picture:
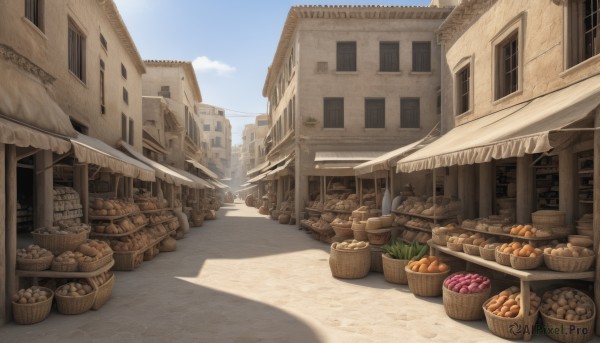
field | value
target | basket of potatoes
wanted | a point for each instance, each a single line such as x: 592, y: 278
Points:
x: 568, y: 258
x: 503, y: 252
x: 350, y: 259
x: 34, y: 258
x: 95, y: 254
x: 527, y: 257
x: 103, y: 284
x: 426, y: 276
x: 66, y: 262
x: 503, y: 313
x: 75, y: 298
x: 32, y: 305
x: 568, y: 315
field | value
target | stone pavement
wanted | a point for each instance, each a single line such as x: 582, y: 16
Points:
x: 245, y: 278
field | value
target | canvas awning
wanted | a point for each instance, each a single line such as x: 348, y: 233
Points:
x: 203, y: 169
x: 199, y: 183
x: 258, y: 168
x: 245, y: 185
x: 387, y: 160
x: 341, y: 163
x: 23, y: 136
x: 162, y: 172
x: 282, y: 170
x: 258, y: 178
x: 527, y: 128
x: 94, y: 151
x: 218, y: 184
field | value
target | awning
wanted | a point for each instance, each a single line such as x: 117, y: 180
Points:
x: 203, y: 169
x: 528, y: 128
x: 341, y: 163
x: 94, y: 151
x: 151, y: 143
x: 282, y: 170
x: 199, y: 182
x: 245, y: 185
x: 23, y: 136
x: 258, y: 178
x: 247, y: 189
x: 387, y: 160
x: 258, y: 168
x: 162, y: 172
x: 218, y: 184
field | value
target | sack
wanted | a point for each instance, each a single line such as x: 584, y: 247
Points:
x: 167, y: 245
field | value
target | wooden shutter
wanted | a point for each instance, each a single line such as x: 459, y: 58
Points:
x: 422, y: 56
x: 410, y: 113
x: 375, y: 113
x: 131, y: 130
x: 123, y: 127
x: 346, y: 56
x: 389, y: 53
x: 333, y: 115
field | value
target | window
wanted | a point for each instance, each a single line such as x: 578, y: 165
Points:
x: 410, y: 113
x: 389, y: 56
x: 123, y: 127
x: 103, y: 42
x: 583, y: 30
x: 262, y: 122
x: 374, y: 113
x: 34, y: 12
x: 102, y: 94
x: 123, y: 71
x: 221, y: 113
x: 219, y: 127
x: 206, y: 127
x: 131, y: 132
x: 252, y: 137
x: 290, y: 115
x: 421, y: 55
x: 463, y: 88
x: 76, y: 52
x: 125, y: 96
x: 165, y: 91
x: 333, y: 112
x: 507, y: 66
x: 218, y: 141
x: 346, y: 56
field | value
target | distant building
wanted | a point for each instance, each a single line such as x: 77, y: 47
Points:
x: 253, y: 142
x: 216, y: 139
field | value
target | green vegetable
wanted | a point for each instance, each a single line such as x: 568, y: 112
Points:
x: 401, y: 250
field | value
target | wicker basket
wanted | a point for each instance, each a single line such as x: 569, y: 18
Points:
x: 373, y: 223
x: 343, y: 231
x: 64, y: 266
x: 393, y: 270
x: 360, y: 235
x: 60, y: 243
x: 526, y: 263
x: 570, y: 331
x: 568, y: 264
x: 358, y: 226
x: 103, y: 292
x: 471, y: 249
x: 35, y: 265
x: 350, y: 264
x: 425, y: 284
x: 386, y: 221
x: 95, y: 265
x: 464, y: 306
x: 75, y: 305
x: 376, y: 260
x: 441, y: 240
x: 379, y: 237
x: 455, y: 246
x: 126, y: 260
x: 488, y: 254
x: 32, y: 313
x: 548, y: 218
x: 509, y: 328
x: 502, y: 257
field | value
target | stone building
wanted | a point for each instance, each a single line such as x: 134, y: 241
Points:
x: 216, y: 139
x: 238, y: 172
x: 253, y: 143
x: 348, y: 83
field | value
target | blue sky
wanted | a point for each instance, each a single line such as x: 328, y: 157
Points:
x: 232, y: 43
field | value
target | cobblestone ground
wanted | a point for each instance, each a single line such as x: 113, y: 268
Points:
x: 245, y: 278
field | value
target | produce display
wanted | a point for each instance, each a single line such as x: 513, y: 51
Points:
x: 133, y: 242
x: 416, y: 236
x: 120, y: 227
x: 530, y: 231
x: 159, y: 218
x: 465, y: 238
x: 420, y: 223
x: 30, y: 295
x: 67, y: 206
x: 351, y: 245
x: 428, y: 264
x: 520, y: 249
x: 567, y: 303
x: 444, y: 206
x: 57, y: 230
x: 93, y: 250
x: 110, y: 208
x: 74, y: 289
x: 405, y: 251
x: 507, y: 303
x: 467, y: 283
x: 568, y: 250
x: 69, y: 257
x: 336, y: 202
x: 150, y: 203
x: 33, y: 252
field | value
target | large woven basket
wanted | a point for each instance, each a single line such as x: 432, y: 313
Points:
x: 548, y: 218
x: 488, y: 254
x: 464, y: 306
x: 103, y: 292
x: 393, y: 270
x: 360, y: 235
x: 455, y: 246
x: 343, y: 231
x: 502, y: 257
x: 471, y: 249
x: 568, y: 264
x: 386, y: 221
x: 425, y: 284
x: 95, y: 265
x: 126, y: 260
x: 526, y: 263
x: 75, y: 305
x: 64, y: 266
x: 32, y: 313
x: 570, y: 331
x: 350, y: 264
x: 60, y: 243
x: 439, y: 239
x: 376, y: 260
x: 381, y: 236
x: 509, y: 328
x: 373, y: 223
x: 35, y: 265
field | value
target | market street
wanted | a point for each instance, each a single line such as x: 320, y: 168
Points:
x: 245, y: 278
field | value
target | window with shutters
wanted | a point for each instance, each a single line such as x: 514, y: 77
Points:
x: 421, y: 54
x: 103, y: 42
x: 346, y: 56
x: 76, y: 52
x: 374, y: 113
x: 34, y: 10
x: 123, y: 71
x: 507, y: 66
x: 333, y: 113
x: 219, y: 127
x: 102, y: 94
x: 218, y: 141
x: 125, y: 96
x: 463, y: 88
x: 389, y: 56
x: 290, y: 115
x: 123, y: 127
x: 165, y: 91
x: 583, y: 40
x: 131, y: 130
x: 410, y: 113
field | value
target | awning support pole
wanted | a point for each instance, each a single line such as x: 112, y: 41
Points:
x: 596, y: 220
x: 434, y: 194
